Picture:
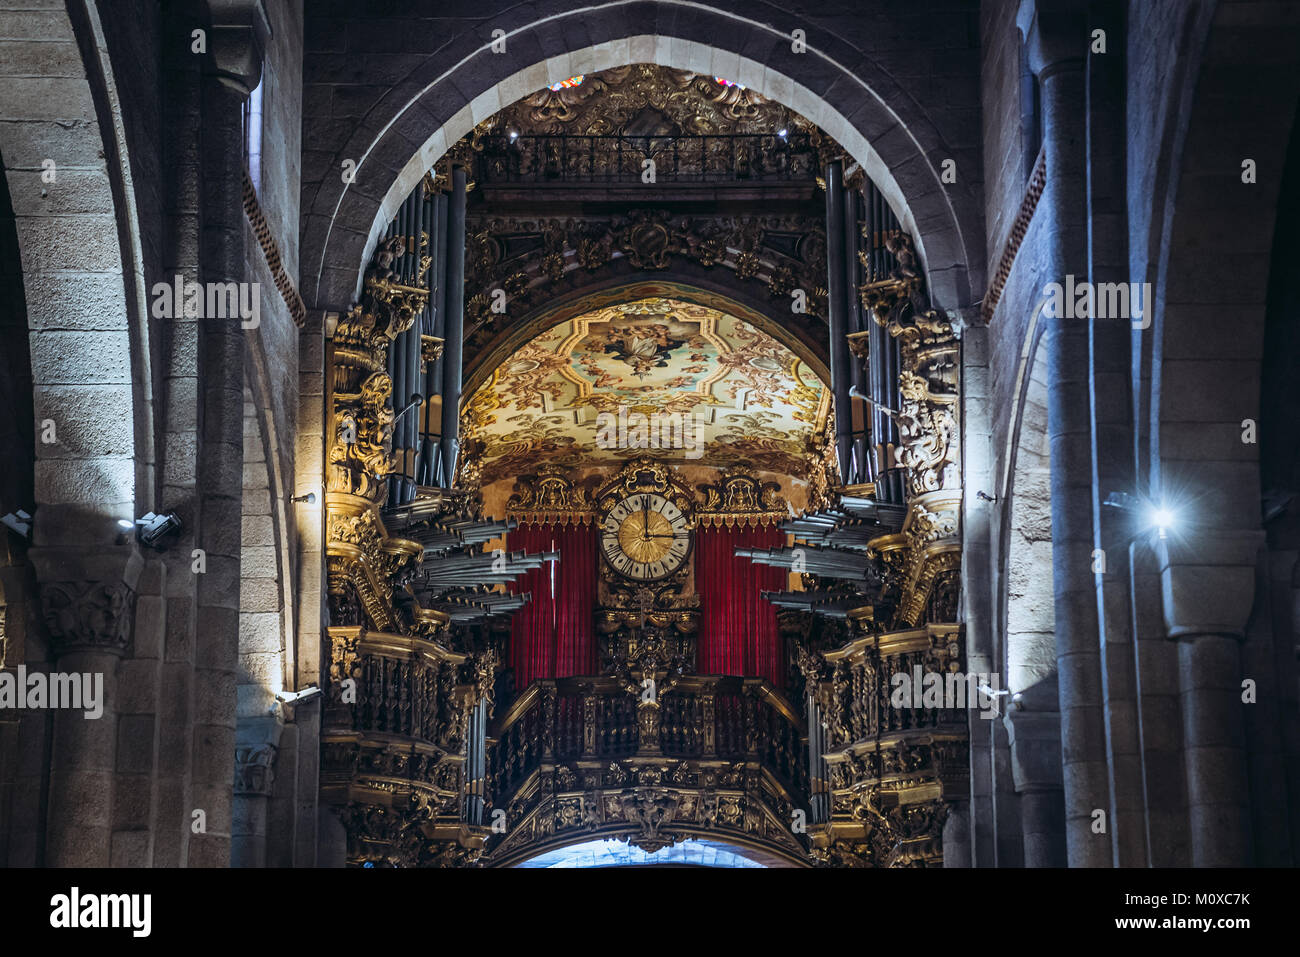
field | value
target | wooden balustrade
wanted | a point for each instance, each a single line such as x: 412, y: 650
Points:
x: 595, y: 719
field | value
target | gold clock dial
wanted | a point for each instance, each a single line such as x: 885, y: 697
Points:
x: 645, y: 537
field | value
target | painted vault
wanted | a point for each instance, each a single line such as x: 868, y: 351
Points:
x: 610, y: 383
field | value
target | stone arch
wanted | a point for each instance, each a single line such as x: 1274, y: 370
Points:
x: 1211, y: 237
x: 848, y: 93
x: 88, y: 320
x: 266, y: 637
x: 1028, y: 646
x: 68, y: 175
x: 19, y: 730
x: 1274, y: 627
x: 1028, y: 786
x: 1211, y: 283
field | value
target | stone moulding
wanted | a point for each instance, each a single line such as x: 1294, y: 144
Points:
x: 88, y: 602
x: 271, y: 253
x: 1019, y: 227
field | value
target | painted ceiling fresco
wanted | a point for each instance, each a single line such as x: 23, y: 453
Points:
x: 689, y: 383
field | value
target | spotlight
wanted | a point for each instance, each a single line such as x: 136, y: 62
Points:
x: 513, y: 136
x: 18, y: 521
x: 297, y: 697
x: 308, y: 499
x: 151, y: 529
x: 782, y: 133
x: 1163, y: 519
x: 985, y: 496
x: 856, y: 393
x: 1146, y: 514
x: 125, y: 524
x: 1121, y: 500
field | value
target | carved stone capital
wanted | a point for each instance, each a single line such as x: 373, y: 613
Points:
x: 1207, y: 580
x: 254, y: 769
x: 1051, y: 32
x: 88, y: 601
x: 237, y: 42
x: 1034, y: 739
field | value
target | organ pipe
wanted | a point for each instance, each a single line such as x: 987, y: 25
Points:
x: 455, y: 328
x: 838, y: 348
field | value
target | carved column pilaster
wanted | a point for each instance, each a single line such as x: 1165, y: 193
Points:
x: 1208, y: 587
x: 548, y: 723
x: 254, y: 770
x: 708, y: 720
x: 238, y: 38
x: 88, y: 603
x: 589, y: 725
x: 1034, y: 741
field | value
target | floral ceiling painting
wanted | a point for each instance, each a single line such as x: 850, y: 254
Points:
x: 684, y: 381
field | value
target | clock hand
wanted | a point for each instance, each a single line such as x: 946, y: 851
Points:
x: 645, y: 521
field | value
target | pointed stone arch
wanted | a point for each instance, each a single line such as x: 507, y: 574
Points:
x: 846, y: 91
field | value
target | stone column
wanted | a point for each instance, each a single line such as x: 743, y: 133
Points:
x: 1057, y: 41
x: 956, y: 835
x: 978, y: 830
x: 239, y: 31
x: 1112, y: 436
x: 1207, y: 580
x: 1034, y: 741
x: 169, y: 669
x: 88, y: 602
x: 255, y: 756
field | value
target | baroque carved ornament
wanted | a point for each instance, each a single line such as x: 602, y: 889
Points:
x: 531, y: 260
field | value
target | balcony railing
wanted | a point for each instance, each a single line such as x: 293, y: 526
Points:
x: 596, y: 720
x: 735, y: 158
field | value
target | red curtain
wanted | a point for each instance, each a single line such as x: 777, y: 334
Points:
x: 553, y: 636
x: 738, y: 633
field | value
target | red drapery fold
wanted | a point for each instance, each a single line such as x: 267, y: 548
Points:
x: 553, y: 635
x: 738, y: 633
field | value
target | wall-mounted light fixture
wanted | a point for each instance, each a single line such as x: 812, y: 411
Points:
x: 857, y: 394
x: 1148, y: 515
x: 151, y: 528
x: 18, y: 522
x: 416, y: 400
x: 1162, y: 519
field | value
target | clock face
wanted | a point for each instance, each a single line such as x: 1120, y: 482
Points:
x: 645, y: 537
